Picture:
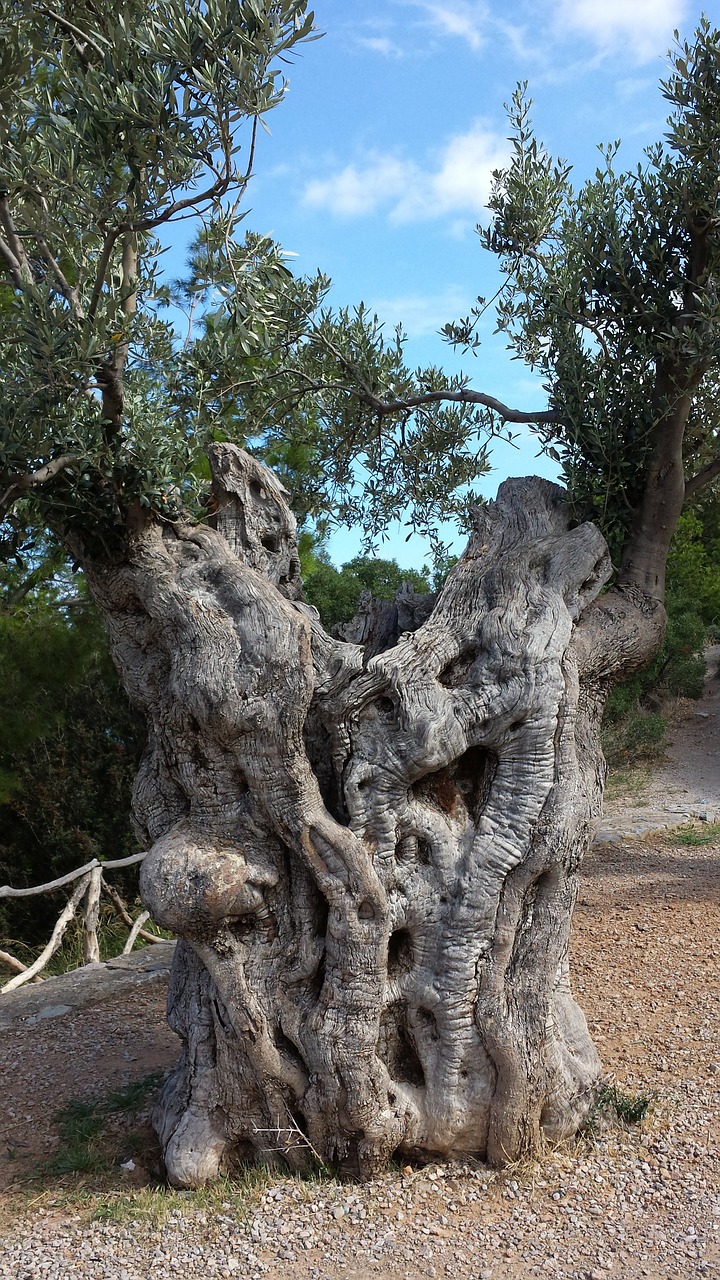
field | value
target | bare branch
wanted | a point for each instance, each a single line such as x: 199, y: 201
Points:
x: 69, y: 293
x: 103, y: 263
x: 72, y: 29
x: 124, y: 914
x: 17, y: 254
x: 13, y: 267
x: 462, y: 395
x: 136, y: 930
x: 17, y: 966
x: 703, y: 478
x: 91, y: 946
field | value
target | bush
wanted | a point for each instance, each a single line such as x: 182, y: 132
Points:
x: 634, y: 737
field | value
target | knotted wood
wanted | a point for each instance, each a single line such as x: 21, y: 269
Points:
x: 369, y: 850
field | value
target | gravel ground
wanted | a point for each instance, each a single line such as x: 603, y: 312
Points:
x: 627, y: 1203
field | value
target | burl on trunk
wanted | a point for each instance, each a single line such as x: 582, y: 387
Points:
x: 369, y: 851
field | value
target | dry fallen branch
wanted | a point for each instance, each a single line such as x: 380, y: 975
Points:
x: 135, y: 931
x: 16, y: 965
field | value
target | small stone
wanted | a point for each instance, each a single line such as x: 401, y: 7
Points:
x: 54, y: 1010
x: 338, y: 1212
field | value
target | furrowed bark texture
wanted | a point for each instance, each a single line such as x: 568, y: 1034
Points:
x: 369, y: 849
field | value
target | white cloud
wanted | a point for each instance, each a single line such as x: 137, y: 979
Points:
x: 459, y: 182
x: 467, y: 19
x: 382, y: 45
x: 643, y: 27
x: 356, y: 191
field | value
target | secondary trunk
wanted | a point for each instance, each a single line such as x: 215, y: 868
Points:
x: 369, y: 851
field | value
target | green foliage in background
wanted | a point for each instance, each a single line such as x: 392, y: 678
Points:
x: 336, y: 592
x: 69, y: 747
x: 634, y: 728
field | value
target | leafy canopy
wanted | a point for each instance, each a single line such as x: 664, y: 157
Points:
x: 115, y: 120
x: 612, y: 291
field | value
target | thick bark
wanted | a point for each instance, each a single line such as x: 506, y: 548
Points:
x: 369, y: 851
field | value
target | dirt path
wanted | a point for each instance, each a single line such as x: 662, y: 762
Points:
x: 686, y: 783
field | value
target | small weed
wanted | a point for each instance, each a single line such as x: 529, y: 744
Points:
x: 134, y: 1096
x: 84, y: 1146
x: 612, y: 1102
x: 628, y: 783
x: 696, y: 834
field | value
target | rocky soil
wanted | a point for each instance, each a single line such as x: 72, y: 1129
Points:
x: 625, y: 1201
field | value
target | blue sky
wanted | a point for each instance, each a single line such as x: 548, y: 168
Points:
x: 378, y: 164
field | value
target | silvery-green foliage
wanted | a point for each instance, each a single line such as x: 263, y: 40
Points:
x: 113, y: 121
x: 612, y: 282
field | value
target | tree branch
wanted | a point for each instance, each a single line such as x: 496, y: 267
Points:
x: 703, y: 478
x: 103, y: 263
x: 463, y: 395
x: 32, y: 479
x: 15, y: 245
x: 69, y: 293
x: 13, y: 267
x: 223, y: 180
x: 124, y: 914
x: 72, y: 30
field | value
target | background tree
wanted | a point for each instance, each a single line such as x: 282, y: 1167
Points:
x: 369, y: 850
x: 70, y: 742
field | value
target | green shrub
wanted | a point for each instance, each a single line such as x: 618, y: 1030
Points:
x: 632, y: 737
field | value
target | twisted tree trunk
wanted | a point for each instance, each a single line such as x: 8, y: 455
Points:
x: 370, y: 851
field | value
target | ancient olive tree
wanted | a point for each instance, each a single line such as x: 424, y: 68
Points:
x: 369, y: 847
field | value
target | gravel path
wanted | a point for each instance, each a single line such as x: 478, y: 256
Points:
x: 686, y: 783
x: 641, y: 1202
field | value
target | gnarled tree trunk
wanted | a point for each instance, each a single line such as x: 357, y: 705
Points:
x: 369, y: 851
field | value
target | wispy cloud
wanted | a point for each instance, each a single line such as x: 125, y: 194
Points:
x: 642, y: 27
x: 466, y: 19
x: 383, y: 45
x: 422, y: 314
x: 459, y: 182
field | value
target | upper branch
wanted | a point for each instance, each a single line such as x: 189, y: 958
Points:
x: 462, y: 395
x: 12, y: 250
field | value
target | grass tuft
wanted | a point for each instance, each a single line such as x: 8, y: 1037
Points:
x: 82, y: 1124
x: 695, y: 833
